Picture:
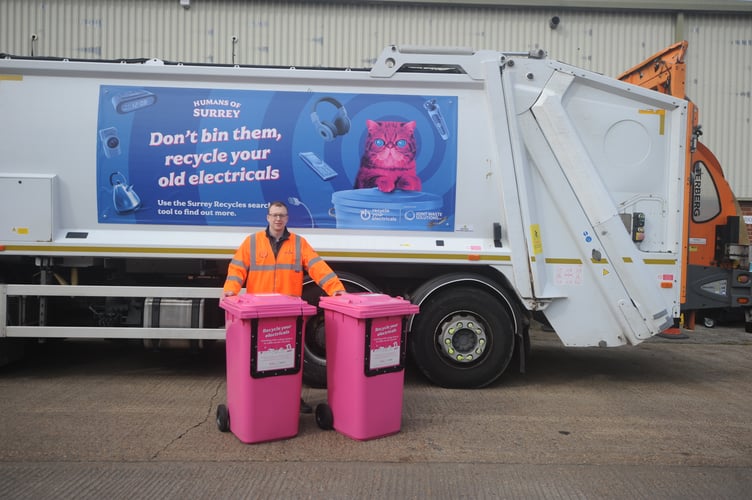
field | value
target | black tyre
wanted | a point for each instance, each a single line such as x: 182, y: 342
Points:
x: 314, y: 356
x: 324, y: 417
x: 464, y: 337
x: 223, y: 418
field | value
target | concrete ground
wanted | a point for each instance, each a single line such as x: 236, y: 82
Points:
x: 669, y: 418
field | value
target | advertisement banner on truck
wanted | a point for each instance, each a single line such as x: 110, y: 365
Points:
x: 218, y: 157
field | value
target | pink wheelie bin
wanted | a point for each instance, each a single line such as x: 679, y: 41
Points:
x: 365, y: 357
x: 264, y: 344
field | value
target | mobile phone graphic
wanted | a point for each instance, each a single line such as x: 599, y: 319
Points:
x: 318, y: 165
x: 110, y: 141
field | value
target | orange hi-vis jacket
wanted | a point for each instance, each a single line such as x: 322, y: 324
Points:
x: 263, y: 273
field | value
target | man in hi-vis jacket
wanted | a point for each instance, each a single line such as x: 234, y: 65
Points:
x: 275, y: 260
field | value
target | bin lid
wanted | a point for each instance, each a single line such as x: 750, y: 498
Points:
x: 368, y: 305
x: 266, y: 305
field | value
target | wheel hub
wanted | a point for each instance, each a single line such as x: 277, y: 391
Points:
x: 463, y: 338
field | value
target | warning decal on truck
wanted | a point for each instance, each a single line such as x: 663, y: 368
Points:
x: 219, y: 157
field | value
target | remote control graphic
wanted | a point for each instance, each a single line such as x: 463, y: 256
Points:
x: 318, y: 165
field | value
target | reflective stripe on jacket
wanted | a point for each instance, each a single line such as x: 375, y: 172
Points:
x: 283, y: 274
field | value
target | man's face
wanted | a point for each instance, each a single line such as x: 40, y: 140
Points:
x: 277, y: 218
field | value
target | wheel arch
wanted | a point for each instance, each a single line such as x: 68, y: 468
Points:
x: 346, y: 277
x: 497, y: 288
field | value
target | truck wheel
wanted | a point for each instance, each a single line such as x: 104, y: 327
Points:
x: 462, y: 338
x: 314, y: 355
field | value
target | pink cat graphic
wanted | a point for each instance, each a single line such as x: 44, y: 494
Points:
x: 388, y: 162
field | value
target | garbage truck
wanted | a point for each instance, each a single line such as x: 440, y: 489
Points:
x: 492, y: 189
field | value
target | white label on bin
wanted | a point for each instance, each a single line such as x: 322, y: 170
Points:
x: 385, y: 345
x: 276, y: 359
x: 276, y: 347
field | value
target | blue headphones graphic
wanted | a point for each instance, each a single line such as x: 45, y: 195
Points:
x: 330, y: 130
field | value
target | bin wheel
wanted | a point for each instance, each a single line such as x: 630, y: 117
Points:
x: 324, y: 417
x: 223, y: 418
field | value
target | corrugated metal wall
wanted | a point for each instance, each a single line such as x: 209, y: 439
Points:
x: 719, y: 62
x: 300, y: 34
x: 353, y: 35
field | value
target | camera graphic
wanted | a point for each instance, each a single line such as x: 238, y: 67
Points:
x: 110, y: 141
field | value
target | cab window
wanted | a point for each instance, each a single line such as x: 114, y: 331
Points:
x: 706, y: 204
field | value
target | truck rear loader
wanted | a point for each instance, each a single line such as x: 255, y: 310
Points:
x: 718, y: 279
x: 489, y: 188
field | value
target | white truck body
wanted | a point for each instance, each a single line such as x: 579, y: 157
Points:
x: 546, y: 188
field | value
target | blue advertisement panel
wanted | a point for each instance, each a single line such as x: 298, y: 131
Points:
x: 219, y: 157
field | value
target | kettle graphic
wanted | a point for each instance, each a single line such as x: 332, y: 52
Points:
x: 124, y: 198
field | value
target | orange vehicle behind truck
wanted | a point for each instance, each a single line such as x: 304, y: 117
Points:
x: 717, y: 274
